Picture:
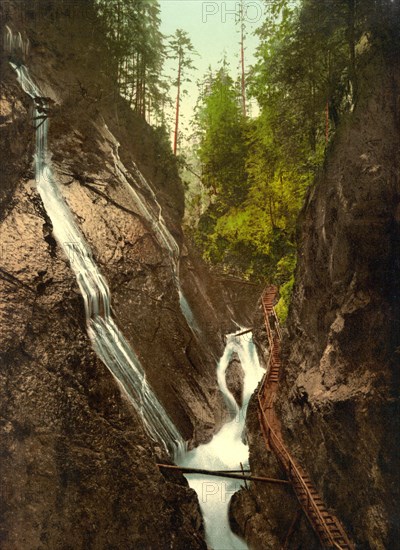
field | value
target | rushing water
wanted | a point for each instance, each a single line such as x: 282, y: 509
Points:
x: 107, y: 339
x: 14, y: 43
x: 226, y: 450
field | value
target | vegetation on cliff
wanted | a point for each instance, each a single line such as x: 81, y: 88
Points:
x: 257, y: 170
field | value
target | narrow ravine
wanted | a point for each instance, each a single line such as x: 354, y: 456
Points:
x: 227, y: 450
x: 107, y: 339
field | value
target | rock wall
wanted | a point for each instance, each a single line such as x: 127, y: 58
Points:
x: 78, y: 469
x: 339, y: 398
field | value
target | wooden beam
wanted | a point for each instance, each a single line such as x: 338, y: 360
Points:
x: 244, y: 332
x: 222, y: 473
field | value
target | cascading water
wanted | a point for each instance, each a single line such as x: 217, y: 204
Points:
x: 15, y: 42
x: 107, y: 339
x: 156, y: 221
x: 226, y: 451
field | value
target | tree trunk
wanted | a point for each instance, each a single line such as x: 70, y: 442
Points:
x: 242, y: 60
x: 177, y: 103
x: 137, y: 82
x: 327, y: 123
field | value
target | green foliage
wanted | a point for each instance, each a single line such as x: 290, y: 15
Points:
x: 181, y: 49
x: 250, y: 223
x: 303, y: 68
x: 136, y: 45
x: 222, y: 148
x: 257, y: 171
x: 285, y: 278
x: 166, y: 161
x: 282, y: 307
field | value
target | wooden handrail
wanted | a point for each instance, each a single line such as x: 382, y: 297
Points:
x: 314, y: 511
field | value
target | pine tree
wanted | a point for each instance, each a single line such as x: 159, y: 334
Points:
x: 222, y: 148
x: 181, y: 49
x: 137, y: 48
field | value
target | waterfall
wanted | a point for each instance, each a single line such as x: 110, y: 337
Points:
x: 107, y: 340
x: 15, y: 43
x: 226, y: 450
x: 156, y: 221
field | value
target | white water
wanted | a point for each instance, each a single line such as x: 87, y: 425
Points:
x: 226, y: 450
x: 15, y: 42
x: 108, y: 341
x: 155, y: 219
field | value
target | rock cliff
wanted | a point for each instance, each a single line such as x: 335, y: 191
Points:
x: 78, y: 469
x: 338, y: 399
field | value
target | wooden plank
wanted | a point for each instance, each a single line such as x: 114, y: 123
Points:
x: 223, y: 473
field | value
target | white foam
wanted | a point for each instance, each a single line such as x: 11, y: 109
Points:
x: 226, y: 451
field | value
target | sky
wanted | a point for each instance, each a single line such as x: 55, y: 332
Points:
x: 212, y: 29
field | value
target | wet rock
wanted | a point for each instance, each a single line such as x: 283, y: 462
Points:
x: 234, y: 378
x: 343, y: 325
x: 78, y: 468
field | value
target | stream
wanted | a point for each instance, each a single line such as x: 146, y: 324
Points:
x: 226, y: 451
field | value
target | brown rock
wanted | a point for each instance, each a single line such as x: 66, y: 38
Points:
x: 234, y: 378
x: 78, y: 469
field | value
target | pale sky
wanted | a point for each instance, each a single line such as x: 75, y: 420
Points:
x: 211, y: 27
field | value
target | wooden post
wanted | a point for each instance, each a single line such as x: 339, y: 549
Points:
x: 221, y: 473
x: 245, y: 482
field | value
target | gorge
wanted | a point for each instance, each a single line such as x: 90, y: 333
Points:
x: 122, y: 349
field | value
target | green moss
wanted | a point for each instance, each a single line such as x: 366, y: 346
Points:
x: 282, y: 307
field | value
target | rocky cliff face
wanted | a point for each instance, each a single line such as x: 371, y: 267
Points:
x: 339, y: 396
x: 78, y: 469
x: 338, y: 399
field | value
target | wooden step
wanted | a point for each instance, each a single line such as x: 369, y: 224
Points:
x: 326, y: 526
x: 331, y: 521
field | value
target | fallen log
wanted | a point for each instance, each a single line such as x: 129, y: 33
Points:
x: 223, y: 473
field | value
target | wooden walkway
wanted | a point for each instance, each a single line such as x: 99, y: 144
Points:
x: 326, y: 525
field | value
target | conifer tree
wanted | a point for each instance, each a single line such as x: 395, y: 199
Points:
x: 181, y: 49
x: 137, y: 48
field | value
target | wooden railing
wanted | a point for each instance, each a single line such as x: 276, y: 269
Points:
x: 327, y: 526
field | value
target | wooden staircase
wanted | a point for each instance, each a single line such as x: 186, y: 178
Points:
x: 326, y: 525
